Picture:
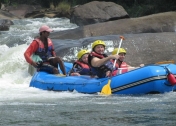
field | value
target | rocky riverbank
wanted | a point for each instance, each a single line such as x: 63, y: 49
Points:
x: 149, y: 39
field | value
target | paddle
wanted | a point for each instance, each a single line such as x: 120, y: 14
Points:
x: 106, y: 90
x: 161, y: 62
x: 165, y: 62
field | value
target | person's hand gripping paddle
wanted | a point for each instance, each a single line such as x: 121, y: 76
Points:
x: 106, y: 90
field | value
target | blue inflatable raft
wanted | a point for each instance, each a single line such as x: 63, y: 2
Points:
x: 146, y: 80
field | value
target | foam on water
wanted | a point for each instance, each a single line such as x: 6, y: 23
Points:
x: 14, y: 78
x: 24, y: 105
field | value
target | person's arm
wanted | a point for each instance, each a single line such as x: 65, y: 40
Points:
x: 30, y: 50
x: 75, y: 70
x: 61, y: 65
x: 53, y: 52
x: 132, y: 68
x: 96, y: 62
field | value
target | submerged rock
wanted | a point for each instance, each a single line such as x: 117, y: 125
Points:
x: 5, y: 24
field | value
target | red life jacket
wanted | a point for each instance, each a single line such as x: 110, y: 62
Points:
x: 123, y: 65
x: 83, y: 65
x: 42, y: 52
x: 101, y: 56
x: 84, y: 70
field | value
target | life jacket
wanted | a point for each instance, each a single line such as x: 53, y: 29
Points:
x: 42, y: 52
x: 123, y: 65
x: 100, y: 71
x: 84, y: 70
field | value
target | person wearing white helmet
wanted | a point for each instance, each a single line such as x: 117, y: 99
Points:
x: 100, y: 63
x: 81, y: 67
x: 43, y: 47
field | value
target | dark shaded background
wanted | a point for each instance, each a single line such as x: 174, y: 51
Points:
x: 135, y: 8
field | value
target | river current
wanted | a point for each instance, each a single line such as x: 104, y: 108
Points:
x: 24, y: 105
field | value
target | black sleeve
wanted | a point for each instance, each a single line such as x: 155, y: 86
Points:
x: 76, y: 69
x: 90, y: 57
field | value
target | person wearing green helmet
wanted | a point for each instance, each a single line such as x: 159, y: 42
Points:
x: 81, y: 67
x: 100, y: 63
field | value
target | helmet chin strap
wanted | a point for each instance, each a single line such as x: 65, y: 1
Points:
x: 119, y: 60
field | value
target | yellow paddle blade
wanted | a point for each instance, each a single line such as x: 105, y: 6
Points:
x: 106, y: 90
x: 166, y: 62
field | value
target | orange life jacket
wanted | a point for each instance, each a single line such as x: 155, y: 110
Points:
x: 42, y: 52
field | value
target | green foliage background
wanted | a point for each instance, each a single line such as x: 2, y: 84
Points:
x: 135, y: 8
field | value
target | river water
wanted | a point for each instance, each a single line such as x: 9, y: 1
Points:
x: 24, y: 105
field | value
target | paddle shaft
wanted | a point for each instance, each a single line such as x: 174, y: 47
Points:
x: 107, y: 88
x: 120, y: 43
